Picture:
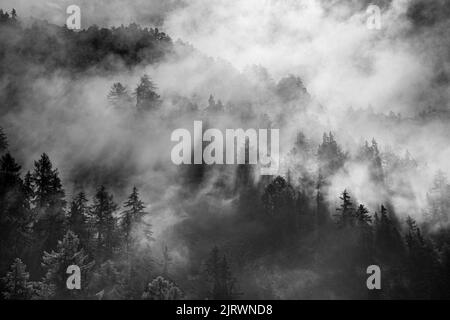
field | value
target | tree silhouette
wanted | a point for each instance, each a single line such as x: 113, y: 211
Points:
x: 220, y: 277
x: 346, y: 211
x: 105, y: 223
x: 68, y: 252
x: 79, y: 218
x: 162, y: 289
x: 146, y: 97
x: 49, y: 203
x: 118, y: 95
x: 133, y: 213
x: 16, y: 283
x: 3, y: 140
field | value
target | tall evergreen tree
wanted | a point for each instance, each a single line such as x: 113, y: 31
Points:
x: 68, y: 252
x: 132, y: 215
x: 14, y: 15
x: 422, y: 264
x: 49, y: 203
x: 346, y: 211
x: 3, y: 140
x: 15, y: 218
x: 78, y: 218
x: 388, y: 241
x: 167, y: 261
x: 220, y: 277
x: 108, y: 282
x: 118, y: 95
x: 28, y: 189
x: 330, y: 156
x: 162, y: 289
x: 146, y: 97
x: 105, y: 223
x: 365, y: 234
x: 16, y: 283
x: 362, y: 216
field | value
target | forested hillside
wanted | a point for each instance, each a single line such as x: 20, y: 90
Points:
x: 140, y: 227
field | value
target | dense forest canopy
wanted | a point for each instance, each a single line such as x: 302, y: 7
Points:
x: 86, y: 179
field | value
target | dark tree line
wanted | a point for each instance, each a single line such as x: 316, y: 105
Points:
x: 39, y: 230
x: 59, y: 47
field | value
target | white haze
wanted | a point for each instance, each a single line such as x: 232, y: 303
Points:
x: 342, y: 63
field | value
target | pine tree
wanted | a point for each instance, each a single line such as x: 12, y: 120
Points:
x: 278, y: 196
x: 28, y: 189
x: 49, y: 203
x: 147, y: 98
x: 388, y: 241
x: 365, y: 234
x: 346, y: 215
x: 108, y: 282
x: 439, y: 200
x: 118, y: 95
x: 162, y: 289
x: 211, y: 102
x: 16, y: 283
x: 103, y: 210
x: 422, y: 263
x: 14, y: 15
x: 131, y: 216
x: 48, y: 188
x: 68, y: 252
x: 219, y: 275
x: 376, y: 165
x: 167, y: 261
x: 3, y: 140
x: 322, y: 214
x: 15, y: 218
x: 330, y: 156
x: 413, y: 237
x: 213, y: 106
x: 362, y: 216
x: 78, y: 218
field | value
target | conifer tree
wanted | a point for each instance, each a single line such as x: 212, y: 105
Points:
x: 108, y: 282
x: 78, y: 218
x: 16, y: 283
x: 388, y: 241
x: 3, y: 140
x: 15, y: 218
x: 422, y: 263
x: 167, y: 261
x: 330, y: 156
x: 365, y: 233
x: 346, y: 215
x: 162, y: 289
x: 49, y: 203
x: 118, y: 95
x: 219, y: 275
x: 14, y: 15
x: 362, y: 216
x: 68, y: 252
x: 146, y: 97
x: 105, y: 223
x: 28, y: 189
x: 131, y: 216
